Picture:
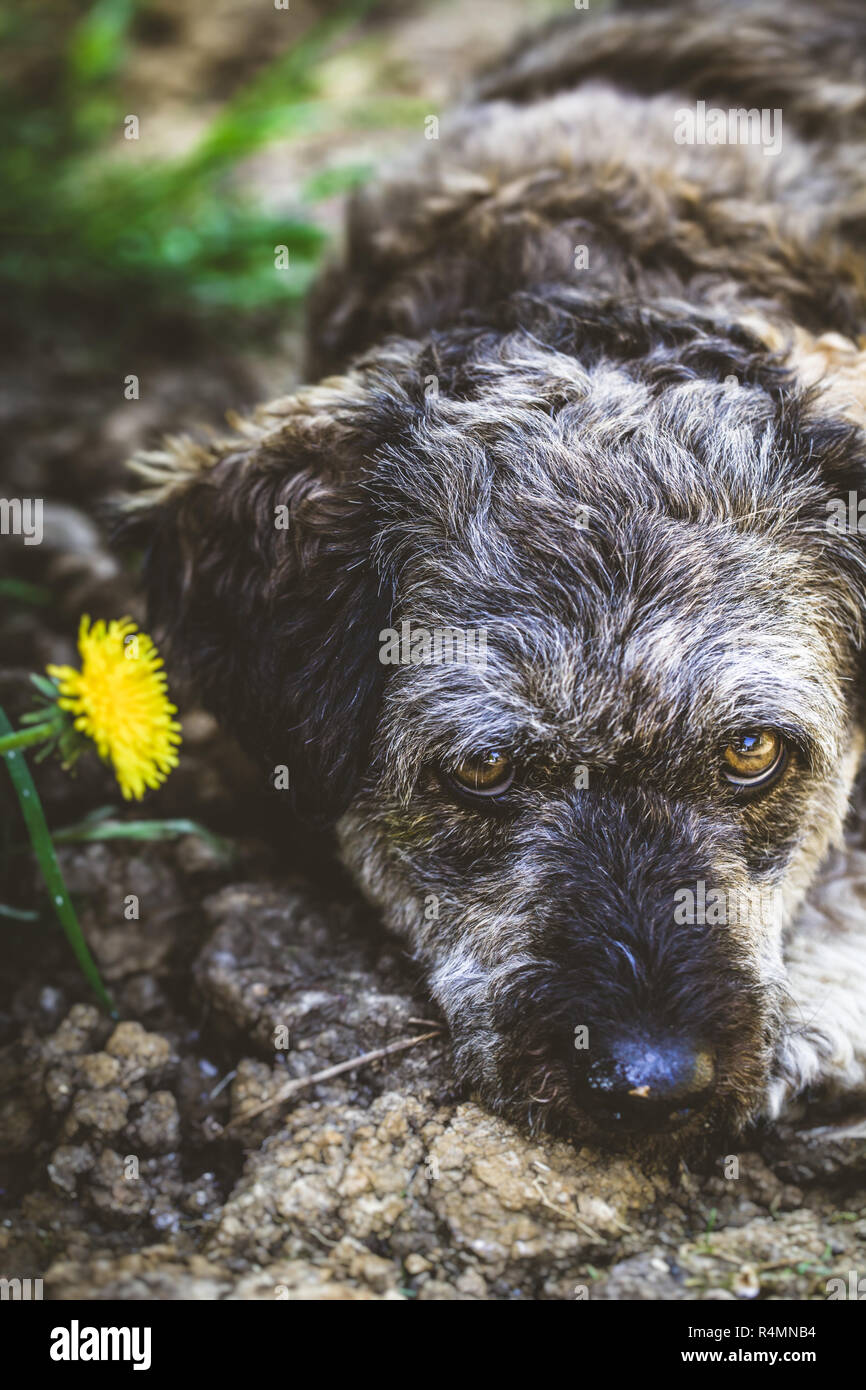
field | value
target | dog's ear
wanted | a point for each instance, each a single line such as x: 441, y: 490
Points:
x: 260, y: 580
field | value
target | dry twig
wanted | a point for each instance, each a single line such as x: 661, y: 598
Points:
x: 303, y: 1082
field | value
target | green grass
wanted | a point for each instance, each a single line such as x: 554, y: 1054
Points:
x: 106, y: 227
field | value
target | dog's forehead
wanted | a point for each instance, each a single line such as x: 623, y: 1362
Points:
x: 550, y: 462
x: 597, y: 638
x: 612, y: 675
x: 636, y: 560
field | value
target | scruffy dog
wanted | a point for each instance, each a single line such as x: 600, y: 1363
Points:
x: 593, y: 390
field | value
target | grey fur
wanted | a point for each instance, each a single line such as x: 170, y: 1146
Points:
x: 622, y: 474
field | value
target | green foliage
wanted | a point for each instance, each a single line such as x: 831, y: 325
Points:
x: 21, y: 592
x: 91, y: 219
x: 105, y: 824
x: 43, y: 848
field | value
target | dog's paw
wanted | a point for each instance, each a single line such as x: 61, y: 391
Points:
x: 805, y: 1153
x: 813, y: 1059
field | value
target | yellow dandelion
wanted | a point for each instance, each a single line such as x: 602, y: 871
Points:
x: 120, y: 700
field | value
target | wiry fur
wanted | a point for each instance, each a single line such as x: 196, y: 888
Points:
x: 622, y: 474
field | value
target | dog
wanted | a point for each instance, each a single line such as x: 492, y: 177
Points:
x: 589, y: 382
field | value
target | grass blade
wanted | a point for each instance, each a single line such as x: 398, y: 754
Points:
x: 43, y: 848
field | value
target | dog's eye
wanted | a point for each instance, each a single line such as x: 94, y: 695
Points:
x: 489, y: 774
x: 754, y: 759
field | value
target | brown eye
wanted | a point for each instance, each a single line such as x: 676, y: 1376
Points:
x: 489, y: 774
x: 754, y: 759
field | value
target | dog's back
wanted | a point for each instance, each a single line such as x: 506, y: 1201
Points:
x: 714, y: 153
x: 809, y: 59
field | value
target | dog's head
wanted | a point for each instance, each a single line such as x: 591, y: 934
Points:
x: 561, y: 629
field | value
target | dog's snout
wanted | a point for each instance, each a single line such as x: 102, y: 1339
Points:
x: 647, y: 1082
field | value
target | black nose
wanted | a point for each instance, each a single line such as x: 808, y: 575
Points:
x: 647, y: 1082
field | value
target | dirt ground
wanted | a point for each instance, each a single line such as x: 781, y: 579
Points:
x: 121, y: 1173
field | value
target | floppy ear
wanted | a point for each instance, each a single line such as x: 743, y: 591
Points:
x: 259, y: 577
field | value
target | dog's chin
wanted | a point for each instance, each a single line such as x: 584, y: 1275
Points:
x: 545, y: 1104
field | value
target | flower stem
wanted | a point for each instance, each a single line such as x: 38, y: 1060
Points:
x: 25, y: 738
x: 43, y: 848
